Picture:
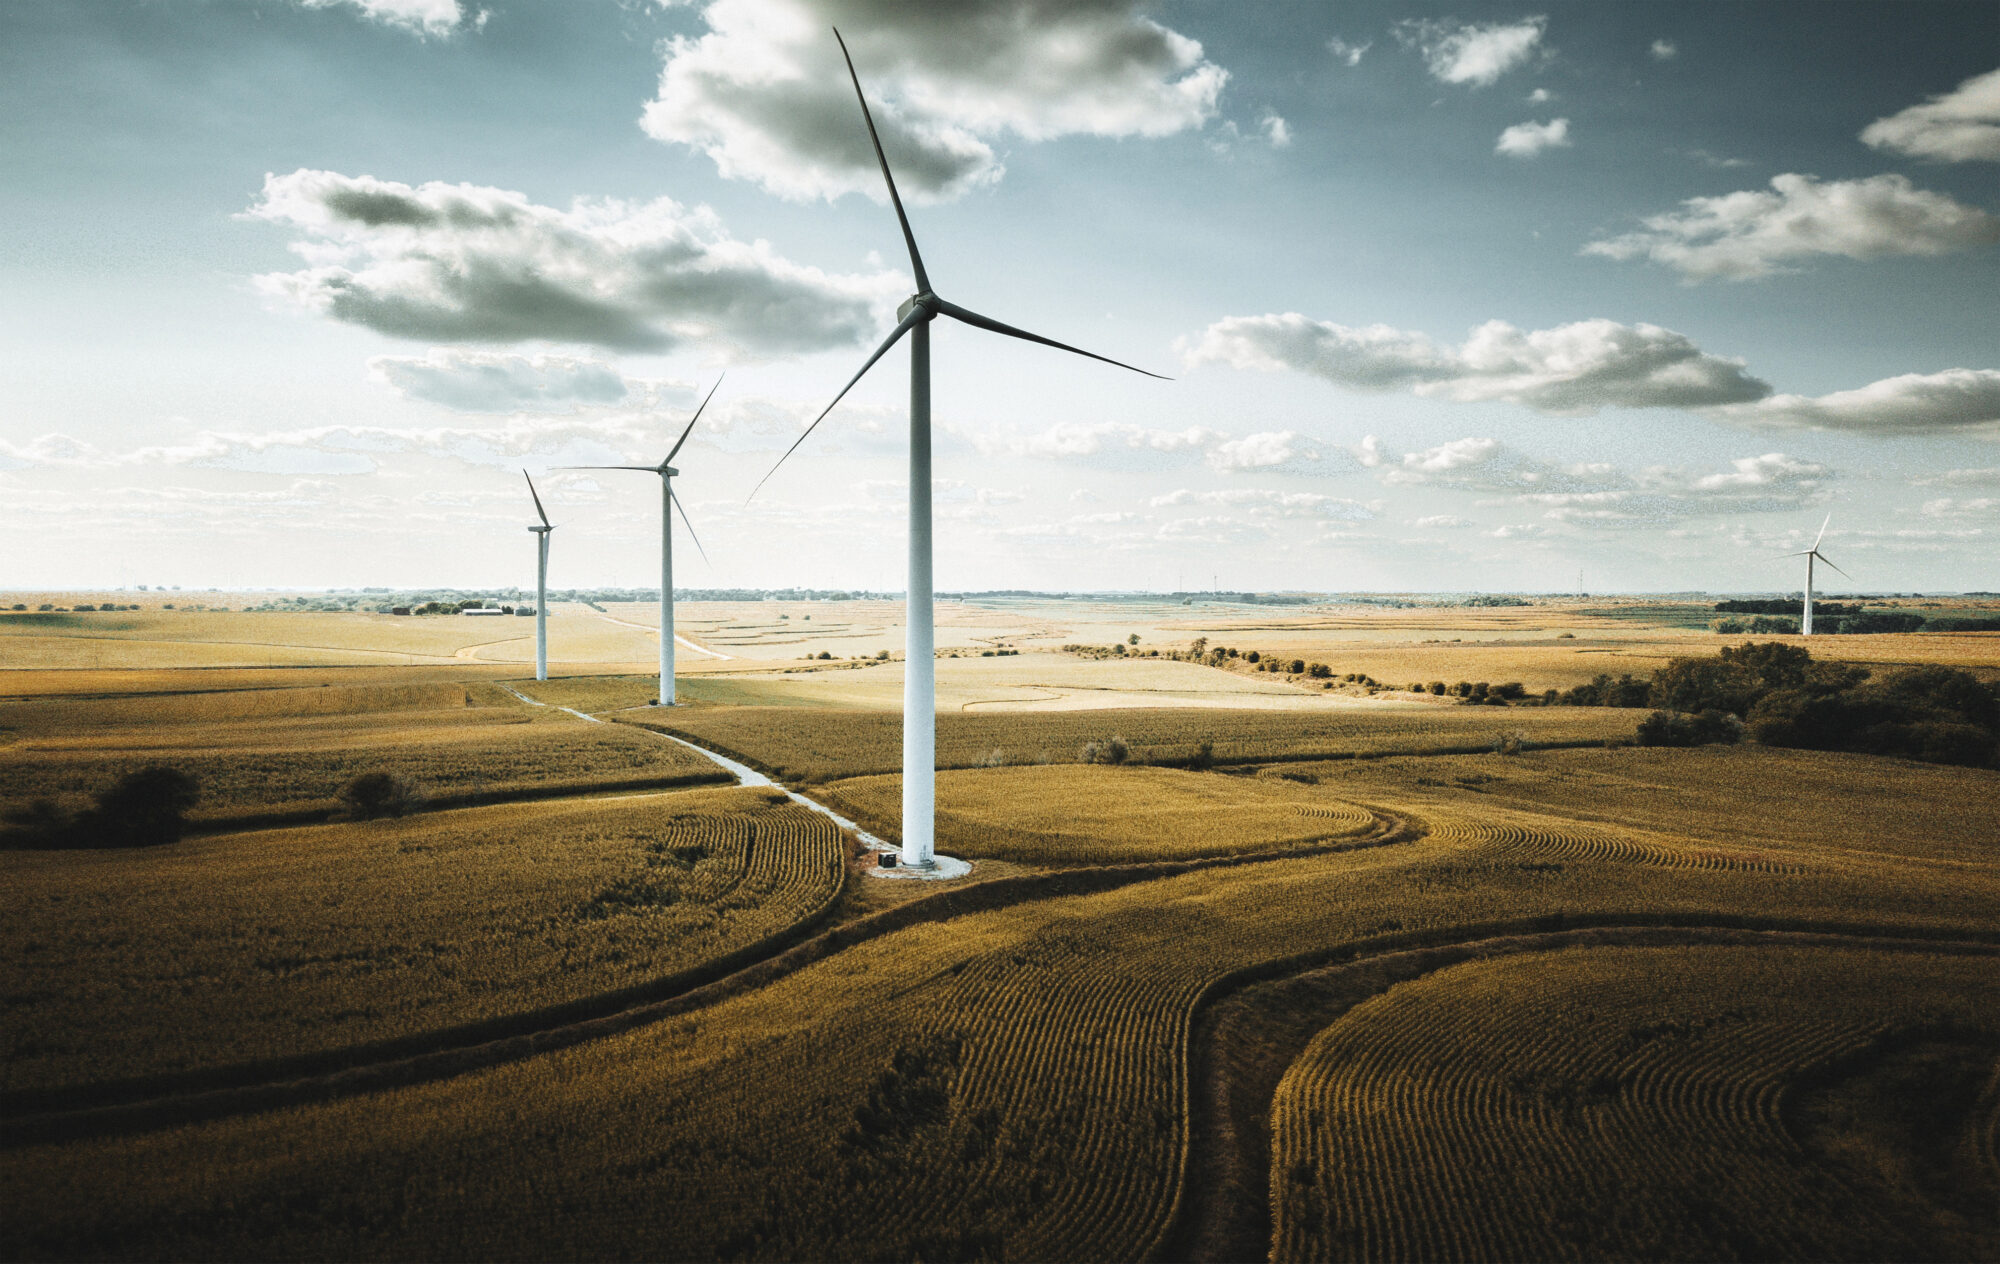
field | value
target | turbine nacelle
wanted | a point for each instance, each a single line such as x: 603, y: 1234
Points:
x: 926, y: 302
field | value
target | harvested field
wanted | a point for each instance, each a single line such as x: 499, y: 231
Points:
x: 808, y: 745
x: 1686, y: 1103
x: 257, y: 752
x: 246, y: 946
x: 1080, y: 815
x: 1029, y: 1059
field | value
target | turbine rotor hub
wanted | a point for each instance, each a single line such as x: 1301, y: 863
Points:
x: 927, y: 301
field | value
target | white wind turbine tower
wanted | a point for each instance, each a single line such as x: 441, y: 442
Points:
x: 541, y: 583
x: 668, y: 503
x: 1810, y: 555
x: 920, y: 665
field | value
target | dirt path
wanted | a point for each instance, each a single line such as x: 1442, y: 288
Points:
x: 678, y: 638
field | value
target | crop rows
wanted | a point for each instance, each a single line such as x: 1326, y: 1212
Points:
x: 1542, y: 839
x: 1607, y: 1101
x: 807, y: 745
x: 1071, y: 815
x: 235, y: 948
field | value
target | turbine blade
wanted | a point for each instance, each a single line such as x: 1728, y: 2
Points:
x: 643, y: 469
x: 1822, y: 557
x: 689, y: 525
x: 987, y: 322
x: 697, y: 417
x: 1822, y: 533
x: 916, y: 315
x: 909, y: 238
x: 539, y: 511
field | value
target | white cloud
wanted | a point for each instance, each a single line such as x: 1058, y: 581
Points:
x: 1540, y: 96
x: 1956, y: 399
x: 1068, y: 439
x: 465, y: 263
x: 1346, y: 53
x: 1665, y: 50
x: 1740, y: 236
x: 1468, y: 53
x: 423, y: 17
x: 1520, y: 531
x: 1271, y: 503
x: 1570, y: 369
x: 1987, y: 477
x: 494, y: 382
x: 1946, y: 507
x: 765, y: 95
x: 1446, y: 521
x: 1963, y: 125
x: 1276, y: 131
x: 1265, y: 451
x: 1525, y: 140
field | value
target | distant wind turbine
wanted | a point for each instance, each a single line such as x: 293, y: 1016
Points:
x: 1811, y: 554
x: 668, y: 503
x: 920, y: 666
x: 541, y: 584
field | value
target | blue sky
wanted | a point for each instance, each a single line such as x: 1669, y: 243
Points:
x: 1454, y: 297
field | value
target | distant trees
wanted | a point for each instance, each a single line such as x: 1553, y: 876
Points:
x: 145, y: 808
x: 1112, y: 751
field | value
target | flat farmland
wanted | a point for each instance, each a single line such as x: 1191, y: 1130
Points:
x: 1093, y: 815
x: 240, y: 947
x: 290, y: 751
x: 1028, y: 1059
x: 810, y: 745
x: 1566, y: 1105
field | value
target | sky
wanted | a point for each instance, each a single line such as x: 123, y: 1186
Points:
x: 1452, y: 298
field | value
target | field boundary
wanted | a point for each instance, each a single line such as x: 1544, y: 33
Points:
x: 148, y: 1103
x: 1199, y: 1225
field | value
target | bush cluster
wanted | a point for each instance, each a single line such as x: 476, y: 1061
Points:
x: 378, y: 794
x: 141, y: 809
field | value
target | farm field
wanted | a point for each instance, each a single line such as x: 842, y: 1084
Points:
x: 247, y: 946
x: 1094, y: 815
x: 1042, y: 1093
x: 681, y: 1021
x: 813, y: 745
x: 288, y: 751
x: 1674, y: 1102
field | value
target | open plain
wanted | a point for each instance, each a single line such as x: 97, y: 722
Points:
x: 1249, y: 962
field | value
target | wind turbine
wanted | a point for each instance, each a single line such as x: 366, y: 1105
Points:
x: 541, y: 583
x: 919, y: 652
x: 668, y: 503
x: 1805, y: 620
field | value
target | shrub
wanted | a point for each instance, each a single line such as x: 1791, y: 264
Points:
x: 379, y: 794
x: 1672, y: 728
x: 1318, y: 671
x: 142, y: 809
x: 1250, y: 656
x: 1436, y: 687
x: 1204, y: 757
x: 1298, y: 665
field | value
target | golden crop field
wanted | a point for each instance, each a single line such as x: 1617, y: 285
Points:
x: 1029, y: 1061
x: 1698, y: 1102
x: 1094, y: 815
x: 290, y: 750
x: 811, y: 745
x: 245, y: 946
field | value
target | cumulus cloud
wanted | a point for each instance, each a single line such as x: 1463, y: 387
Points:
x: 1987, y: 477
x: 1754, y: 233
x: 1665, y: 50
x: 765, y: 95
x: 1277, y: 504
x: 1913, y: 403
x: 423, y: 17
x: 1276, y: 131
x: 1948, y: 507
x: 1525, y: 140
x: 1446, y: 521
x: 1081, y: 439
x: 1963, y: 125
x: 465, y: 263
x: 1457, y: 52
x: 1570, y: 369
x: 1346, y: 53
x: 1600, y: 493
x: 1265, y: 451
x: 493, y: 382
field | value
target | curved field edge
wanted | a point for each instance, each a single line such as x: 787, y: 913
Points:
x: 1251, y: 1031
x: 146, y: 1103
x: 1682, y: 1084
